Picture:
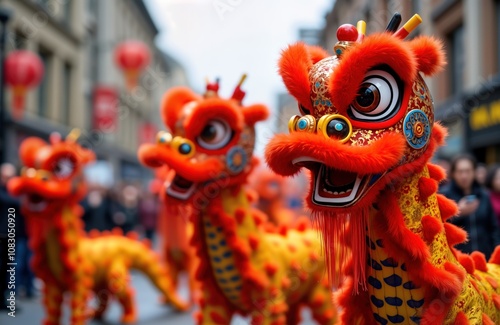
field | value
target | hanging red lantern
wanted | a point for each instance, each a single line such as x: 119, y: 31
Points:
x: 23, y: 70
x: 132, y: 57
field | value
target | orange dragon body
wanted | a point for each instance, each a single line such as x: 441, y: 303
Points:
x: 242, y: 268
x: 65, y: 259
x: 366, y: 133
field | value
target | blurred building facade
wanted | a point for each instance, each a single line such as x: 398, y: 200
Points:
x: 76, y: 40
x: 467, y: 92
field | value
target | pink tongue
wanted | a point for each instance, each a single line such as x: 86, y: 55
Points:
x: 340, y: 178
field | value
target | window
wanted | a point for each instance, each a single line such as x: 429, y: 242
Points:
x: 66, y: 94
x: 43, y: 89
x: 456, y: 60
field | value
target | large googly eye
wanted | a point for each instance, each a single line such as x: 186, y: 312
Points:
x: 304, y: 110
x: 378, y: 98
x: 215, y: 135
x: 63, y: 167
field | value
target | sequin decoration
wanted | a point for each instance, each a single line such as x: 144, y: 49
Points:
x: 417, y: 129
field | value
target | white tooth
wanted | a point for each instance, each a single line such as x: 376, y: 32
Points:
x: 349, y: 190
x: 336, y: 193
x: 341, y: 192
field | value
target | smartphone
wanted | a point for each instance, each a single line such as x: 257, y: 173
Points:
x: 470, y: 198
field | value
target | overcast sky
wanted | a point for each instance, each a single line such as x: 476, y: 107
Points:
x: 225, y: 38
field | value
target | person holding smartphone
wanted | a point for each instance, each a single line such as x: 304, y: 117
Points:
x: 476, y: 214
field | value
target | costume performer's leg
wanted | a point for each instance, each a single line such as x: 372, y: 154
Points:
x: 119, y: 285
x: 214, y: 307
x: 79, y: 297
x: 102, y: 295
x: 52, y: 300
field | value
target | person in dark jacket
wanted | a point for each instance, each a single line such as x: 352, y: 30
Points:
x: 476, y: 214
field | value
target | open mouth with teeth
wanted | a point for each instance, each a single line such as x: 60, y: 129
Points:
x: 336, y: 187
x: 35, y: 202
x: 180, y: 188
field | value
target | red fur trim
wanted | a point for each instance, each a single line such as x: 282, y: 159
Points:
x: 335, y: 154
x: 495, y: 257
x: 496, y: 300
x: 374, y: 50
x: 436, y: 172
x: 454, y: 235
x: 354, y: 307
x: 431, y: 227
x: 302, y: 224
x: 253, y: 241
x: 317, y: 53
x: 492, y: 281
x: 294, y: 66
x: 254, y: 113
x: 461, y: 319
x: 487, y: 320
x: 271, y: 268
x: 28, y: 150
x: 426, y: 187
x: 467, y: 262
x: 447, y: 207
x: 172, y: 103
x: 429, y: 53
x: 479, y: 261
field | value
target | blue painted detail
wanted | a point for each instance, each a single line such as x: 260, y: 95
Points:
x: 236, y: 168
x: 217, y: 259
x: 219, y: 229
x: 389, y: 262
x: 338, y: 127
x: 403, y: 267
x: 411, y: 119
x: 380, y: 243
x: 396, y: 319
x: 208, y: 224
x: 328, y: 103
x: 227, y: 254
x: 415, y: 303
x: 394, y: 301
x: 235, y: 278
x: 376, y: 266
x: 374, y: 282
x: 415, y: 319
x: 374, y: 178
x: 317, y: 84
x: 338, y: 51
x: 222, y: 242
x: 214, y: 247
x: 229, y: 267
x: 223, y: 281
x: 393, y: 280
x: 237, y: 288
x: 409, y: 285
x: 211, y: 235
x: 380, y: 319
x: 376, y: 302
x: 302, y: 124
x: 219, y: 271
x: 185, y: 148
x: 228, y: 289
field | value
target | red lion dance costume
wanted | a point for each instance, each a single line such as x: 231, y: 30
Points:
x: 64, y: 257
x: 242, y: 269
x: 366, y: 133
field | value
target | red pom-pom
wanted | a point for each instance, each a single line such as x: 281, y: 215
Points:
x: 347, y: 33
x: 431, y: 227
x: 479, y: 261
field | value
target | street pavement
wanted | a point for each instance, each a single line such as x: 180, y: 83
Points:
x: 150, y: 311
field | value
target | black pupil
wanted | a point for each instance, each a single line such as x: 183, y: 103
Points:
x: 337, y: 128
x: 209, y: 132
x: 185, y: 148
x: 365, y: 97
